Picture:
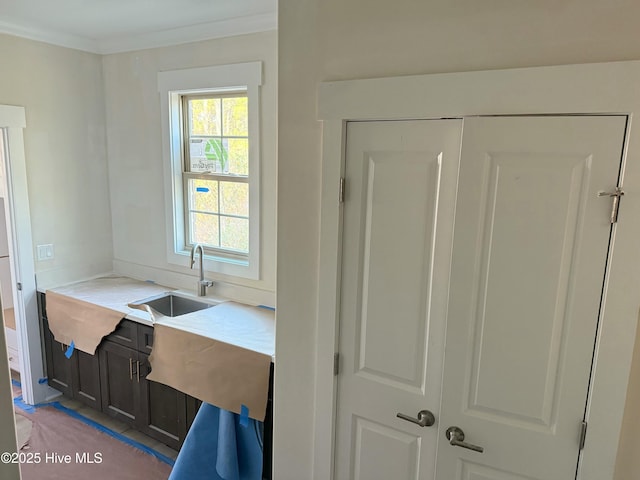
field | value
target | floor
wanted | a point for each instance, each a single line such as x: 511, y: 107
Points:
x: 114, y: 425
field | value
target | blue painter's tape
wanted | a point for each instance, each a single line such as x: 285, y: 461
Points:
x: 244, y: 416
x: 202, y: 189
x: 19, y: 402
x: 268, y: 308
x: 42, y: 380
x: 70, y: 350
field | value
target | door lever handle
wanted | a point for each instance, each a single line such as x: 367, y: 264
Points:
x: 455, y: 435
x: 425, y: 418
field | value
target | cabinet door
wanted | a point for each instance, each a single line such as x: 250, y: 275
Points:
x: 59, y: 367
x: 85, y: 380
x: 119, y: 382
x: 193, y: 405
x: 164, y: 409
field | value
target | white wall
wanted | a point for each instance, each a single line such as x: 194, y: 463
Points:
x: 323, y: 40
x: 135, y: 159
x: 65, y: 148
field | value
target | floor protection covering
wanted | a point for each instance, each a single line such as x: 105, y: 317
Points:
x: 62, y: 446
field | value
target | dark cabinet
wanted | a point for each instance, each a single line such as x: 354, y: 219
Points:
x: 155, y: 409
x: 114, y: 380
x: 85, y: 379
x: 59, y: 370
x: 120, y: 374
x: 152, y: 408
x: 77, y: 377
x: 165, y: 409
x: 58, y: 366
x: 120, y: 382
x: 193, y: 405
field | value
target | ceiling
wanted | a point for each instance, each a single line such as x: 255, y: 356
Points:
x: 109, y: 26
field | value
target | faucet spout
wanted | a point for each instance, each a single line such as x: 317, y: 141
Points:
x: 202, y: 283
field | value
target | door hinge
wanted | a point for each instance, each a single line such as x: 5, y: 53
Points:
x: 336, y: 364
x: 19, y: 286
x: 583, y: 434
x: 615, y: 207
x: 341, y: 190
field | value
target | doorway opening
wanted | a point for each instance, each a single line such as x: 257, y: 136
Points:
x: 18, y: 280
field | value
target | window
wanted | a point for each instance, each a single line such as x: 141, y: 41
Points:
x: 216, y: 172
x: 211, y: 147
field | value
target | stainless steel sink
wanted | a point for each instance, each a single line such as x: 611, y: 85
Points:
x: 171, y: 305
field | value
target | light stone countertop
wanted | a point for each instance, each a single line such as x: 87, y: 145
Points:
x: 252, y: 328
x: 245, y: 326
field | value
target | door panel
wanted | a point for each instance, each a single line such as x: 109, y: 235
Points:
x: 399, y: 450
x: 399, y: 200
x: 474, y: 471
x: 530, y: 247
x: 514, y: 214
x: 517, y: 284
x: 398, y: 222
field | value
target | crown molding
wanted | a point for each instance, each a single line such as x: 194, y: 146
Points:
x: 192, y: 33
x: 164, y: 38
x: 50, y: 36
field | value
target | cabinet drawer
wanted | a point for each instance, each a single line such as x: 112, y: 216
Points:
x: 125, y: 334
x: 14, y: 360
x: 145, y: 338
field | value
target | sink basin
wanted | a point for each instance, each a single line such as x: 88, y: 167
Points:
x: 171, y: 305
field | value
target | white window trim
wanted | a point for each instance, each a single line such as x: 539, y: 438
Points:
x: 171, y: 85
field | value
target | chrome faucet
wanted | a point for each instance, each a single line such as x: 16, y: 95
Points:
x: 202, y: 283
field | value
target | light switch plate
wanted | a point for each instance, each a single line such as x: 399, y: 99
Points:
x: 45, y: 252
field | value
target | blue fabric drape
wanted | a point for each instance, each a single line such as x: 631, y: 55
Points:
x: 220, y: 447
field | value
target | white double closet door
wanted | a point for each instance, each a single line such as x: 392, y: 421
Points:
x: 473, y: 268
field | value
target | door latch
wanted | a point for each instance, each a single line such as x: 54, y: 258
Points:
x: 616, y: 195
x: 583, y: 434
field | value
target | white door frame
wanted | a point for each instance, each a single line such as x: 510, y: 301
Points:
x: 12, y: 123
x: 606, y: 88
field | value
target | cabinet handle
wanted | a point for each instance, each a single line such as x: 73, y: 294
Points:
x: 138, y: 371
x: 130, y: 369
